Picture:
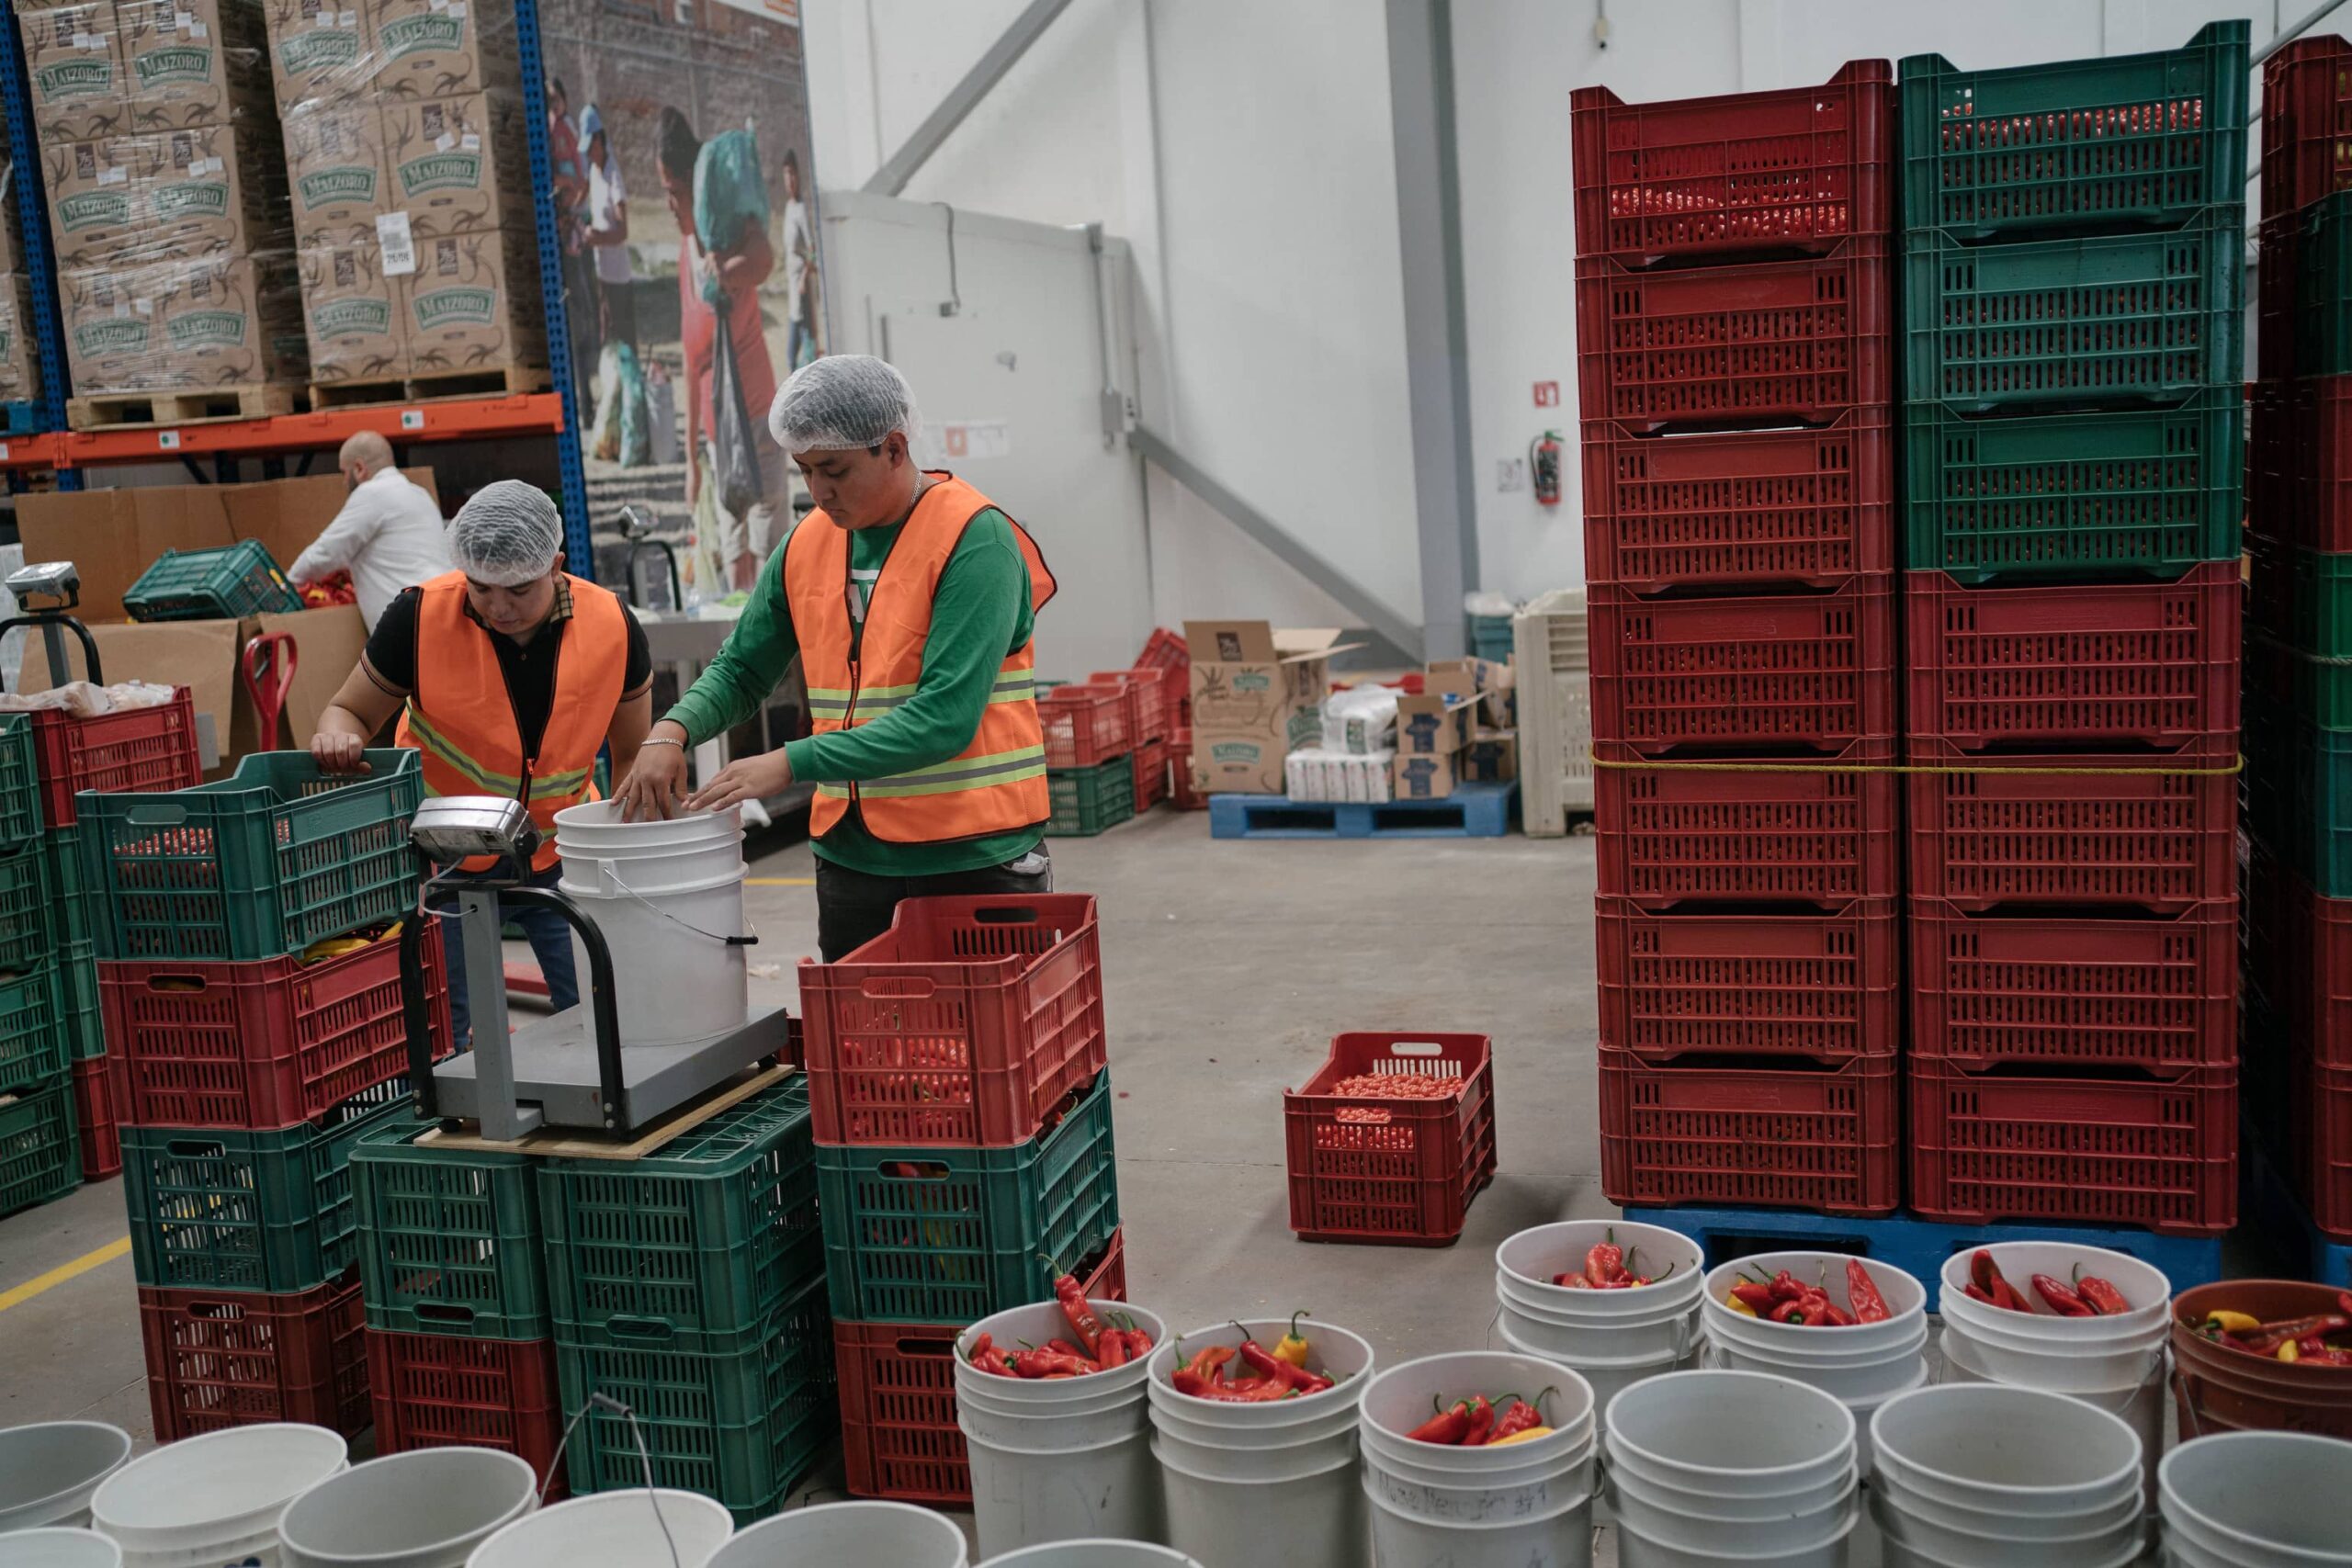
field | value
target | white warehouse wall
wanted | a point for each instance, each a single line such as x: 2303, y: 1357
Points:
x: 1244, y: 149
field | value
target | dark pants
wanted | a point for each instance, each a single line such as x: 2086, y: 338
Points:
x: 853, y: 907
x: 550, y: 939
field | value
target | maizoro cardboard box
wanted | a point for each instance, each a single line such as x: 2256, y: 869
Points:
x: 458, y: 165
x: 439, y: 49
x: 73, y: 65
x: 335, y: 171
x: 472, y: 303
x: 19, y: 362
x: 190, y: 63
x: 351, y: 311
x: 133, y: 201
x: 94, y: 199
x: 1255, y: 691
x: 319, y: 53
x: 229, y: 322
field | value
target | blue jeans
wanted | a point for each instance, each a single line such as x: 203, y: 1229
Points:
x: 550, y: 938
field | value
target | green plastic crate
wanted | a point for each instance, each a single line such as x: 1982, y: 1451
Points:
x: 2076, y: 144
x: 2302, y: 598
x: 950, y: 1235
x: 237, y: 1211
x: 20, y: 818
x: 69, y: 885
x: 1088, y: 801
x: 449, y: 1239
x: 79, y: 1011
x: 34, y: 1047
x: 265, y: 863
x: 223, y: 584
x: 740, y: 1427
x: 40, y: 1153
x: 703, y: 1240
x: 31, y: 931
x: 2108, y: 320
x: 2143, y: 494
x: 2322, y: 322
x: 2299, y: 796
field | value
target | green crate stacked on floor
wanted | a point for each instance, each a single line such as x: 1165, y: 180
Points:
x: 1092, y: 740
x: 40, y: 1155
x: 962, y: 1114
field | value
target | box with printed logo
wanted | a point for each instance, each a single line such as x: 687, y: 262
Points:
x: 335, y: 172
x: 458, y: 165
x: 20, y: 364
x: 131, y: 201
x: 73, y: 71
x: 352, y: 315
x: 440, y: 48
x: 224, y: 323
x: 193, y: 62
x: 472, y: 303
x: 319, y: 53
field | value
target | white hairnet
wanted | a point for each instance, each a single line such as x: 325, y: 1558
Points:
x: 841, y: 402
x: 506, y: 535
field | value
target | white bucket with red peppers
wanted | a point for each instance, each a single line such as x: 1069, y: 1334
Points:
x: 1606, y: 1323
x: 1833, y: 1339
x: 2044, y: 1346
x: 1059, y: 1458
x: 1724, y: 1468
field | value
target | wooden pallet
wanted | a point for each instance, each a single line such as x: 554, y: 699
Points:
x: 179, y: 405
x: 493, y: 381
x: 586, y: 1143
x: 1472, y: 811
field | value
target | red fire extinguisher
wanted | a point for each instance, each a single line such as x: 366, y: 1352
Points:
x: 1543, y: 462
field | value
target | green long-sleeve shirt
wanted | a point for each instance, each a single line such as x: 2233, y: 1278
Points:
x: 979, y: 614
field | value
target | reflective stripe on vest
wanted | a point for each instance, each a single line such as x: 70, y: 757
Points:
x: 461, y: 718
x: 997, y: 784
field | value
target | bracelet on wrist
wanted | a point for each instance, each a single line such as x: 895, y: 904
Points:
x: 661, y: 740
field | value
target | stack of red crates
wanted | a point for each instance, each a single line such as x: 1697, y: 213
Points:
x: 1155, y: 698
x: 1166, y: 652
x: 1734, y: 320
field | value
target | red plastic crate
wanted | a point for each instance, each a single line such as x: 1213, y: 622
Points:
x: 1788, y: 674
x: 2306, y: 123
x: 1739, y: 509
x: 963, y: 1025
x: 2162, y: 1156
x: 2156, y: 996
x: 1671, y: 835
x: 264, y: 1045
x: 1772, y: 343
x: 2322, y: 1146
x: 2299, y: 953
x: 1823, y: 987
x: 142, y: 750
x: 2300, y: 464
x: 1155, y: 690
x: 1086, y: 725
x: 94, y: 1113
x: 2147, y: 664
x: 219, y: 1358
x: 1782, y: 1136
x: 2084, y: 831
x: 1151, y: 774
x: 899, y: 1439
x: 1799, y: 169
x: 1401, y: 1171
x: 429, y: 1391
x: 1164, y: 649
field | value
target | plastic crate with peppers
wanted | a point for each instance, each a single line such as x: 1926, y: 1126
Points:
x: 1266, y: 1375
x: 1785, y: 1298
x: 2086, y: 1296
x: 1480, y: 1422
x: 1098, y: 1346
x: 1608, y: 1267
x: 1395, y: 1139
x: 2316, y: 1340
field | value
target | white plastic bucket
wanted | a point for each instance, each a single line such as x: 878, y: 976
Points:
x: 897, y: 1533
x: 214, y: 1498
x: 2142, y: 1407
x: 1474, y: 1490
x: 428, y: 1508
x: 666, y: 894
x: 2258, y: 1500
x: 1636, y: 1550
x: 1642, y: 1323
x: 1791, y: 1532
x: 1853, y: 1363
x: 1093, y: 1554
x: 1409, y: 1539
x: 1733, y: 1434
x: 2033, y: 1455
x: 1288, y: 1437
x: 1907, y: 1540
x: 1226, y: 1521
x: 58, y: 1548
x: 2062, y: 1355
x: 48, y: 1470
x: 1606, y: 1378
x: 614, y: 1530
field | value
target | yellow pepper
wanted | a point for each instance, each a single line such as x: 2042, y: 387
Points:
x: 2233, y: 1323
x: 1528, y: 1436
x: 1291, y: 1347
x: 1741, y: 1307
x: 2290, y: 1351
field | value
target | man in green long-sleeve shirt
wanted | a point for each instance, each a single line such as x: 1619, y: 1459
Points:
x: 928, y: 756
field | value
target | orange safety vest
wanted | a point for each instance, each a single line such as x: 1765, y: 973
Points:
x: 997, y: 784
x: 462, y: 719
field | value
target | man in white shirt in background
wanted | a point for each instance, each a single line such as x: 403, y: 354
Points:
x: 389, y: 536
x: 608, y: 232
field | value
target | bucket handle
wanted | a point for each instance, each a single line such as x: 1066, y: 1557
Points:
x: 609, y: 883
x: 2181, y: 1388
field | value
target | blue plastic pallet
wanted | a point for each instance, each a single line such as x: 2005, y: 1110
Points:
x: 2270, y: 1210
x: 1472, y: 811
x: 1919, y: 1246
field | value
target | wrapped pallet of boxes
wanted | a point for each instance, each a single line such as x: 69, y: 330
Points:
x: 73, y: 71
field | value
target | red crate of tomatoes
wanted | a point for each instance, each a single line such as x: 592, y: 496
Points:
x: 1391, y: 1138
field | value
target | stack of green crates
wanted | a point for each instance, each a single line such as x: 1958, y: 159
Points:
x: 40, y: 1151
x: 1088, y: 801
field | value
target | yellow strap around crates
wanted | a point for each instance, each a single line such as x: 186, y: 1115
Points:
x: 1648, y: 766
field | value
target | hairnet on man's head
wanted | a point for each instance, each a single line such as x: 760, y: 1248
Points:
x: 841, y: 402
x: 506, y: 535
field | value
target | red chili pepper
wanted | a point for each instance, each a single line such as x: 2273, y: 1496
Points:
x: 1977, y: 1293
x: 1447, y: 1427
x: 1482, y: 1423
x: 987, y: 1357
x: 1759, y: 1297
x: 1045, y: 1363
x: 2101, y: 1296
x: 1572, y: 1281
x: 1987, y: 1275
x: 2274, y: 1334
x: 1210, y: 1361
x: 2061, y: 1297
x: 1862, y: 1290
x: 2326, y: 1359
x: 1061, y: 1348
x: 1606, y: 1262
x: 1263, y: 1362
x: 1250, y: 1391
x: 1832, y: 1314
x: 1111, y: 1348
x: 1790, y: 1311
x: 1785, y: 1287
x: 1083, y: 1321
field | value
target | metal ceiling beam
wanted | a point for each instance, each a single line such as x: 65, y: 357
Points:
x: 1283, y: 545
x: 891, y: 178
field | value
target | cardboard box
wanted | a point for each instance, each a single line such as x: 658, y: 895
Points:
x: 74, y: 67
x: 178, y: 195
x: 112, y: 535
x: 1441, y: 718
x: 94, y: 198
x: 192, y: 62
x: 439, y: 49
x: 351, y: 313
x: 11, y: 260
x: 458, y: 165
x: 19, y: 359
x: 335, y: 172
x: 232, y: 323
x: 1492, y: 757
x: 319, y: 53
x: 473, y: 303
x: 1257, y: 695
x: 1425, y: 776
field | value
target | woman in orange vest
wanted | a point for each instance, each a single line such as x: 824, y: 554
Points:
x: 910, y: 600
x: 509, y: 674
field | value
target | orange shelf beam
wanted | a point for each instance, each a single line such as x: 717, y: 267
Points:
x: 459, y: 419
